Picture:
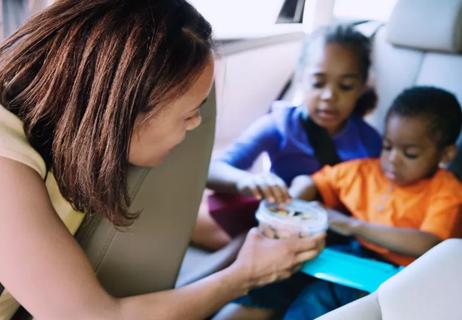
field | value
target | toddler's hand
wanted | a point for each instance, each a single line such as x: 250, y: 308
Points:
x: 265, y: 186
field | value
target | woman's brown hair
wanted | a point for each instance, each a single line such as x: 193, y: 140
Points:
x: 78, y: 75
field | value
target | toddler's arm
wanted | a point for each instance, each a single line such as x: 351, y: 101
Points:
x: 406, y: 241
x: 303, y: 187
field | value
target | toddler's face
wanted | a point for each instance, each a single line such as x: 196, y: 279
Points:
x: 408, y: 154
x: 335, y: 84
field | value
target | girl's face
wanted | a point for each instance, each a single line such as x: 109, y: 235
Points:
x: 335, y: 84
x: 153, y: 139
x: 409, y: 153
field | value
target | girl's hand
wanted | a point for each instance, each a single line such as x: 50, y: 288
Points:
x: 263, y: 260
x: 342, y: 223
x: 264, y: 186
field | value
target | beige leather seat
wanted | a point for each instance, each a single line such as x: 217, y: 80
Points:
x: 420, y: 45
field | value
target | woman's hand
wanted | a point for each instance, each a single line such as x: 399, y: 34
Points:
x: 342, y: 223
x: 264, y: 186
x: 263, y: 260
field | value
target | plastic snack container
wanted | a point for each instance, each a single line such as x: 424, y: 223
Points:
x: 298, y: 218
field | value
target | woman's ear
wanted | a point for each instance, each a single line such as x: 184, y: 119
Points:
x: 449, y: 153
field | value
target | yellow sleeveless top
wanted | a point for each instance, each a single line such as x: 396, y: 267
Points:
x: 14, y: 145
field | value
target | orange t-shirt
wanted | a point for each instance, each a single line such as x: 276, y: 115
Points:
x: 432, y: 205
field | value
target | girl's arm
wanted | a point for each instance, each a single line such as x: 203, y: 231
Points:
x: 225, y: 178
x: 406, y: 241
x: 228, y: 174
x: 228, y: 179
x: 44, y: 268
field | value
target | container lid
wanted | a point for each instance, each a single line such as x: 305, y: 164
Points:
x: 307, y: 216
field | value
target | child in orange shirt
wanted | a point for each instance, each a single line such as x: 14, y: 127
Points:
x: 401, y: 205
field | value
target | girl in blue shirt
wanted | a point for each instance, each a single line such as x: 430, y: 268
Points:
x: 327, y: 128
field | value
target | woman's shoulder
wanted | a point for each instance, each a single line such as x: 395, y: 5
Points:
x: 14, y: 144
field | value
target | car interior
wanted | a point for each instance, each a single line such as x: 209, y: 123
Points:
x: 419, y: 44
x: 407, y: 51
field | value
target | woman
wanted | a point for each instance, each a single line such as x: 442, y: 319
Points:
x: 88, y: 87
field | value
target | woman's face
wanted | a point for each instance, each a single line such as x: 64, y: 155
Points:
x: 335, y: 84
x: 153, y: 139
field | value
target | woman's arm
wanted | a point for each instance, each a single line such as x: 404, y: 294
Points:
x: 45, y: 269
x: 406, y: 241
x: 202, y: 298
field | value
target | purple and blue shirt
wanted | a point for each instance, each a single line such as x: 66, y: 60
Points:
x: 281, y: 134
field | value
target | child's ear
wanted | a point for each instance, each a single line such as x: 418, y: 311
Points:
x: 449, y: 153
x: 365, y: 87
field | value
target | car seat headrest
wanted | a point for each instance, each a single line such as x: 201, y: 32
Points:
x: 427, y: 25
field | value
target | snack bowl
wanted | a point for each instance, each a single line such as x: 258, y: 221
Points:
x: 296, y: 219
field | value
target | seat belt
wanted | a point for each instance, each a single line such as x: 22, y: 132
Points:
x: 323, y: 145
